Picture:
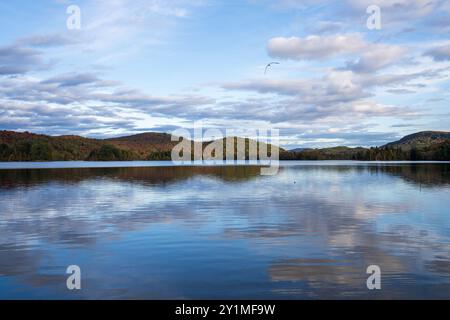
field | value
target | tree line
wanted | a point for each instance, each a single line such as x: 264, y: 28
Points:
x: 41, y: 150
x: 431, y: 153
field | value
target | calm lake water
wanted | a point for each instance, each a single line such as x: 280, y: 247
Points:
x: 164, y: 232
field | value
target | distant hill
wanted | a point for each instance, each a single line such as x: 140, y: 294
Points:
x: 428, y: 145
x: 26, y: 146
x: 145, y: 144
x: 420, y: 140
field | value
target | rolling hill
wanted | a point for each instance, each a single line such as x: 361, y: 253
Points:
x: 26, y: 146
x: 426, y: 145
x: 145, y: 143
x: 420, y: 140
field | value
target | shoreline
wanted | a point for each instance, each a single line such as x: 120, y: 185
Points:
x: 24, y: 165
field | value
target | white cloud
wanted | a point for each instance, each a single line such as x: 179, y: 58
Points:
x: 439, y: 53
x: 315, y: 47
x: 377, y: 57
x: 370, y: 56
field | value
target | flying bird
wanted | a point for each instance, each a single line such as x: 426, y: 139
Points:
x: 269, y: 65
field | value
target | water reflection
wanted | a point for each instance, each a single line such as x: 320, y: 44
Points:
x: 149, y: 175
x: 435, y: 174
x: 226, y: 232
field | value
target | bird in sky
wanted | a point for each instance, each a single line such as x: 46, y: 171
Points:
x: 269, y: 65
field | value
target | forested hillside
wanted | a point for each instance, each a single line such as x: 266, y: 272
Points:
x: 25, y: 146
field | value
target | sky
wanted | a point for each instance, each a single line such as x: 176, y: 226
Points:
x: 135, y: 66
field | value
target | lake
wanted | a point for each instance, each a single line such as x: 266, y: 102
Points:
x: 154, y: 231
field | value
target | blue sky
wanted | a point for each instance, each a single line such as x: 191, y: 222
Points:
x: 156, y: 65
